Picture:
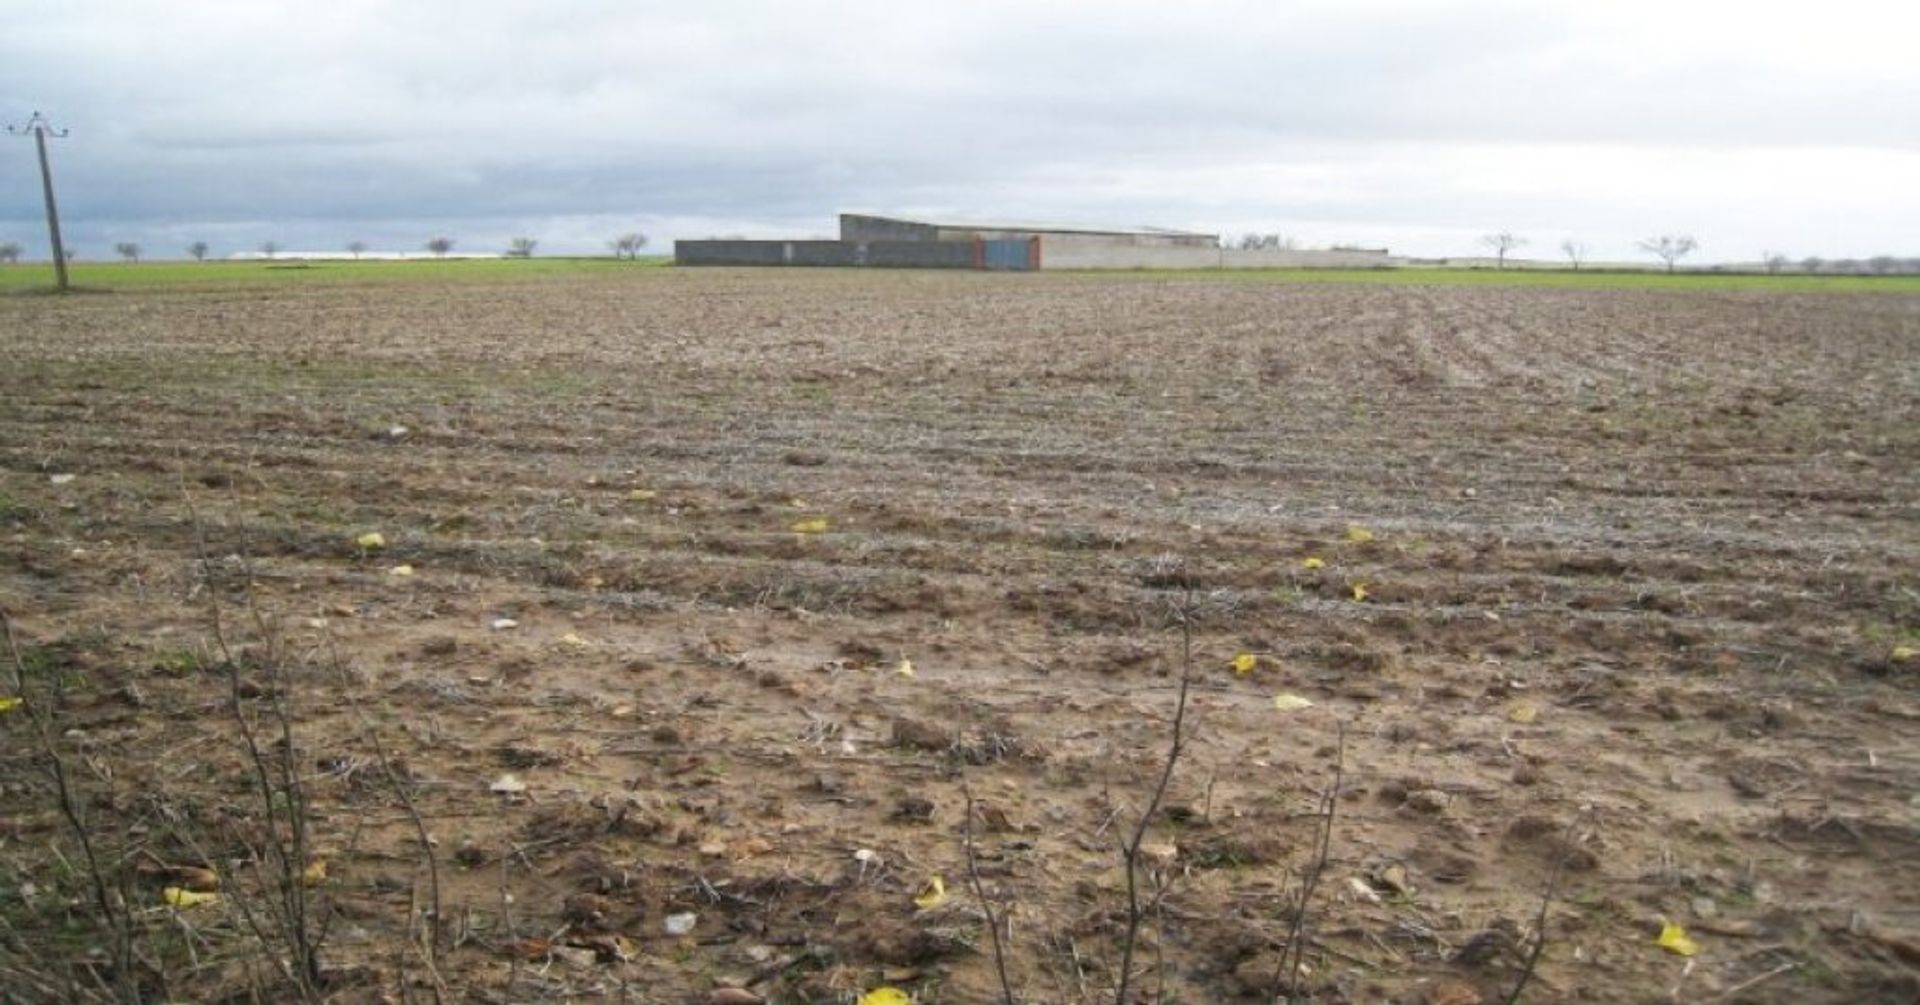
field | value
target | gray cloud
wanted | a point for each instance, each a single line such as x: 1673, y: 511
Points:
x: 1755, y: 125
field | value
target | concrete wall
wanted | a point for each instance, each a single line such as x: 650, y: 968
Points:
x: 920, y: 254
x: 1056, y: 252
x: 1060, y: 252
x: 858, y: 227
x: 729, y: 252
x: 884, y: 254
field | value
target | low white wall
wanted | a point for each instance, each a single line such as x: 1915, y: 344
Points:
x: 1057, y: 253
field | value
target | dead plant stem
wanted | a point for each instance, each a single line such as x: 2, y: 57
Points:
x: 1131, y: 850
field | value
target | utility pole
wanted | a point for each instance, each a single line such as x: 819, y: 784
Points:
x: 40, y: 128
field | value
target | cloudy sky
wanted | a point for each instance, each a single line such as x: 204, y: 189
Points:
x: 1418, y: 125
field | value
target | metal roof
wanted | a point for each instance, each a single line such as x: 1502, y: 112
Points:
x: 1036, y: 228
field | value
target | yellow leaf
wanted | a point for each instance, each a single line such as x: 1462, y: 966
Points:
x: 574, y: 643
x: 1901, y: 654
x: 315, y: 873
x: 885, y: 996
x: 1358, y: 534
x: 906, y: 668
x: 1523, y: 713
x: 1245, y: 663
x: 180, y: 897
x: 1360, y: 593
x: 10, y: 703
x: 1675, y: 939
x: 932, y: 895
x: 372, y: 540
x: 643, y: 495
x: 1287, y: 701
x: 1313, y: 562
x: 812, y: 525
x: 401, y: 571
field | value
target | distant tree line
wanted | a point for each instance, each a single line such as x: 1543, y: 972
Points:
x: 1670, y: 249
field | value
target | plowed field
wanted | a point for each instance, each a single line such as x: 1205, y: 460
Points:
x: 714, y: 593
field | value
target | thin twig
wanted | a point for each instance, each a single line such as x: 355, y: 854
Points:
x: 413, y: 816
x: 1540, y: 920
x: 288, y: 852
x: 986, y: 905
x: 118, y: 921
x: 1751, y: 983
x: 1293, y: 954
x: 1131, y: 850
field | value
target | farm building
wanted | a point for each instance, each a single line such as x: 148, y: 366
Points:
x: 885, y: 241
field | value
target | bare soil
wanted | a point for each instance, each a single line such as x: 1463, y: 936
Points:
x: 1618, y: 584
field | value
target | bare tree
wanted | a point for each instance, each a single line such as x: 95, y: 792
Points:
x: 1773, y: 262
x: 1812, y: 263
x: 440, y: 246
x: 521, y: 247
x: 269, y: 248
x: 1670, y: 248
x: 198, y: 250
x: 127, y: 250
x: 9, y: 252
x: 1502, y: 243
x: 628, y: 245
x: 1575, y: 252
x: 356, y: 249
x: 1882, y: 264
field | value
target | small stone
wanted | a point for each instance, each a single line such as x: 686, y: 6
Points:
x: 1393, y: 879
x: 681, y: 923
x: 1428, y: 800
x: 504, y: 624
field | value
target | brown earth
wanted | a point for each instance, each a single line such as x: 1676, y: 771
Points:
x: 1639, y: 605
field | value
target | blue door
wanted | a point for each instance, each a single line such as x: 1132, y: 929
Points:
x: 1020, y: 254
